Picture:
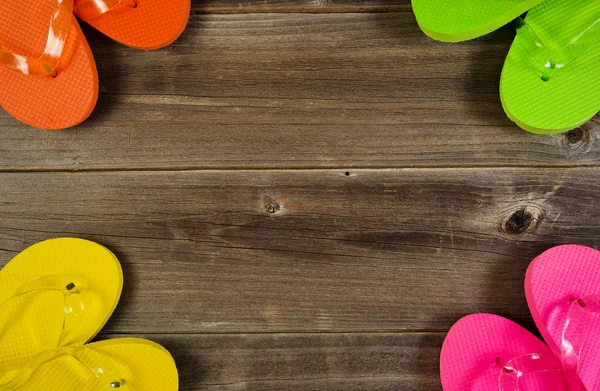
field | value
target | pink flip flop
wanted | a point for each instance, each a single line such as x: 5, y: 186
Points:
x: 484, y: 352
x: 562, y: 286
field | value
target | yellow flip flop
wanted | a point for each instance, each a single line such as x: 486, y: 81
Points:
x: 128, y: 364
x: 56, y: 293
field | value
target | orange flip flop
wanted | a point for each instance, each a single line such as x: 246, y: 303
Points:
x: 48, y: 76
x: 141, y: 24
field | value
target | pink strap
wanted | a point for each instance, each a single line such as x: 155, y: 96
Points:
x: 60, y: 25
x: 547, y: 368
x: 572, y: 337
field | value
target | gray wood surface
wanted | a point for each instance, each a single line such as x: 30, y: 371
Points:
x: 255, y: 251
x: 296, y: 90
x: 306, y: 362
x: 307, y: 6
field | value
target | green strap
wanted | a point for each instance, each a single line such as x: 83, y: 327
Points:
x: 548, y: 60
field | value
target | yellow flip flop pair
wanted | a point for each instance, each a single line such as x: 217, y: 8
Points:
x: 54, y: 298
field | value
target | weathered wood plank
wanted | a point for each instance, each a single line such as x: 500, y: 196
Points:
x: 306, y: 362
x: 297, y: 90
x: 311, y: 6
x: 316, y: 250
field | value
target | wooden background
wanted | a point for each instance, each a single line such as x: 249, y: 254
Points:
x: 304, y: 195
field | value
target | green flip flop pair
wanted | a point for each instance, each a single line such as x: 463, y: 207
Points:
x: 550, y: 82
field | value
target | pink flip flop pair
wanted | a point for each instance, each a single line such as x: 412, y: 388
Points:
x: 484, y: 352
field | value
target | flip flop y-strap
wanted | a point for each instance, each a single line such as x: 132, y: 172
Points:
x: 46, y: 64
x: 87, y: 10
x: 108, y: 378
x: 513, y: 372
x: 573, y: 334
x: 549, y: 60
x: 71, y: 288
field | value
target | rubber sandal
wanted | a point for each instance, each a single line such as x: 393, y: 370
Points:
x: 562, y: 286
x: 59, y: 292
x: 460, y: 20
x: 550, y: 80
x: 47, y: 71
x: 488, y: 352
x: 127, y: 364
x: 142, y: 24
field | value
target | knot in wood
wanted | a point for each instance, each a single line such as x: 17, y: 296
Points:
x: 575, y: 136
x: 579, y: 140
x: 518, y: 222
x: 272, y: 207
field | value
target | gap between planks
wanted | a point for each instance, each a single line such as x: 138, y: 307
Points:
x: 410, y: 330
x: 316, y: 168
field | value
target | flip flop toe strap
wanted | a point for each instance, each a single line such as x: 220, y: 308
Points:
x: 574, y: 330
x: 89, y: 9
x: 549, y: 60
x: 46, y: 64
x: 72, y: 289
x: 515, y: 373
x: 106, y: 375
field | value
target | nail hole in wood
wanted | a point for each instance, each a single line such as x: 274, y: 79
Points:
x: 347, y: 173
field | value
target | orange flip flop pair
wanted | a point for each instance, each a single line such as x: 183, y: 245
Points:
x: 48, y: 76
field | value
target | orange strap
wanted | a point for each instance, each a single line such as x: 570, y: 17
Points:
x: 60, y: 25
x: 90, y: 9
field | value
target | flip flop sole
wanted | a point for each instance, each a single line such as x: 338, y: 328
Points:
x: 478, y: 345
x: 142, y: 364
x: 43, y: 101
x: 461, y: 20
x: 152, y: 24
x: 555, y: 278
x: 34, y: 322
x: 569, y: 98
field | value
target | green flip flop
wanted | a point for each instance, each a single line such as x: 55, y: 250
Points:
x: 551, y: 78
x: 461, y: 20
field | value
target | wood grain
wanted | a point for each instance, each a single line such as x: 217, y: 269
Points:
x: 306, y: 362
x: 308, y: 6
x: 316, y: 250
x: 297, y: 91
x: 304, y: 195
